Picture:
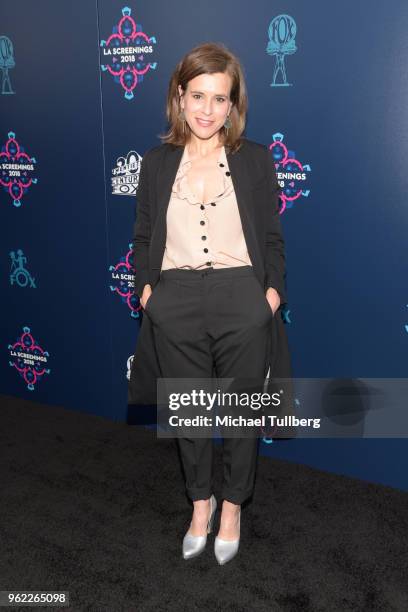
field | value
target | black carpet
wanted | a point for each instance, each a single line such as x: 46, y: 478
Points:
x: 98, y: 509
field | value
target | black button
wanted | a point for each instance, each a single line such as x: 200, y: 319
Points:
x: 208, y: 263
x: 222, y: 165
x: 202, y: 207
x: 203, y: 237
x: 206, y: 250
x: 228, y: 173
x: 202, y: 222
x: 212, y: 203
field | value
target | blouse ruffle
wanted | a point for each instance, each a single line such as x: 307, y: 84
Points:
x: 182, y: 189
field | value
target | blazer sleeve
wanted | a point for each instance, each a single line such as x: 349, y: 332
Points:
x: 275, y: 265
x: 142, y: 229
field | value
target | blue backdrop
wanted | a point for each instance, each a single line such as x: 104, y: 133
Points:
x: 75, y: 119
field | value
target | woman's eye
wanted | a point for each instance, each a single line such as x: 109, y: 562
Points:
x: 196, y: 96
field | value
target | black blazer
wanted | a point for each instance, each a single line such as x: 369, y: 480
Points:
x: 257, y: 191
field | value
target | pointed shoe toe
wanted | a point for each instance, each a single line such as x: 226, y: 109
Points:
x: 193, y: 545
x: 225, y: 550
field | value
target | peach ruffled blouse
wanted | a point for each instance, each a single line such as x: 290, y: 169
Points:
x: 201, y: 234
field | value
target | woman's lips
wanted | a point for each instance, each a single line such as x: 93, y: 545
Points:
x: 204, y: 123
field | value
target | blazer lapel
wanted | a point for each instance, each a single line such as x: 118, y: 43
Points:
x: 166, y: 175
x: 242, y: 185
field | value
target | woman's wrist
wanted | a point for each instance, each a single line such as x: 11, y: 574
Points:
x: 273, y: 298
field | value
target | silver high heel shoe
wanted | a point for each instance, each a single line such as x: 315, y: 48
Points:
x: 225, y: 550
x: 194, y: 545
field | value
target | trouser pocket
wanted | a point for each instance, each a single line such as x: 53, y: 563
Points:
x: 262, y: 297
x: 152, y: 299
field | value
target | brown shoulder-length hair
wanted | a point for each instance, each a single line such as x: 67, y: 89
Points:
x: 207, y: 58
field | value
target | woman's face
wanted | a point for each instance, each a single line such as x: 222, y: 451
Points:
x: 206, y: 103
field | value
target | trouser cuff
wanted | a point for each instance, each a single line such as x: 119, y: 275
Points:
x: 236, y: 497
x: 195, y: 494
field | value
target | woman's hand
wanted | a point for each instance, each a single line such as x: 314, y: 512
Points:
x: 273, y: 298
x: 147, y: 292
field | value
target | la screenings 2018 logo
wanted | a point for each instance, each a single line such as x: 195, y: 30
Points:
x: 291, y: 173
x: 16, y: 169
x: 123, y: 282
x: 29, y: 359
x: 127, y: 53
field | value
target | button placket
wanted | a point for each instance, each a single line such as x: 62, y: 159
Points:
x: 206, y: 224
x: 183, y: 190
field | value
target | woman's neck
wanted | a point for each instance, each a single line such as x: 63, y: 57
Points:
x: 203, y: 148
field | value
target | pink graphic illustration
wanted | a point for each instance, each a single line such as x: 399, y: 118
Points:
x: 16, y: 169
x: 123, y: 279
x: 291, y: 173
x: 127, y: 53
x: 29, y: 359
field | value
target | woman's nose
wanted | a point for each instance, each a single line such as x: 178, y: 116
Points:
x: 208, y: 107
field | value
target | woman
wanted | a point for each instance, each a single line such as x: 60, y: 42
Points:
x: 209, y: 266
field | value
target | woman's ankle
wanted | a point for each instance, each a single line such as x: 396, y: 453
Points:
x: 230, y: 508
x: 201, y: 506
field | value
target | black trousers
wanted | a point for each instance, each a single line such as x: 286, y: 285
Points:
x: 216, y: 319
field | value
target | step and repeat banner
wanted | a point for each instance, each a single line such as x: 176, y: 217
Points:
x: 82, y: 97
